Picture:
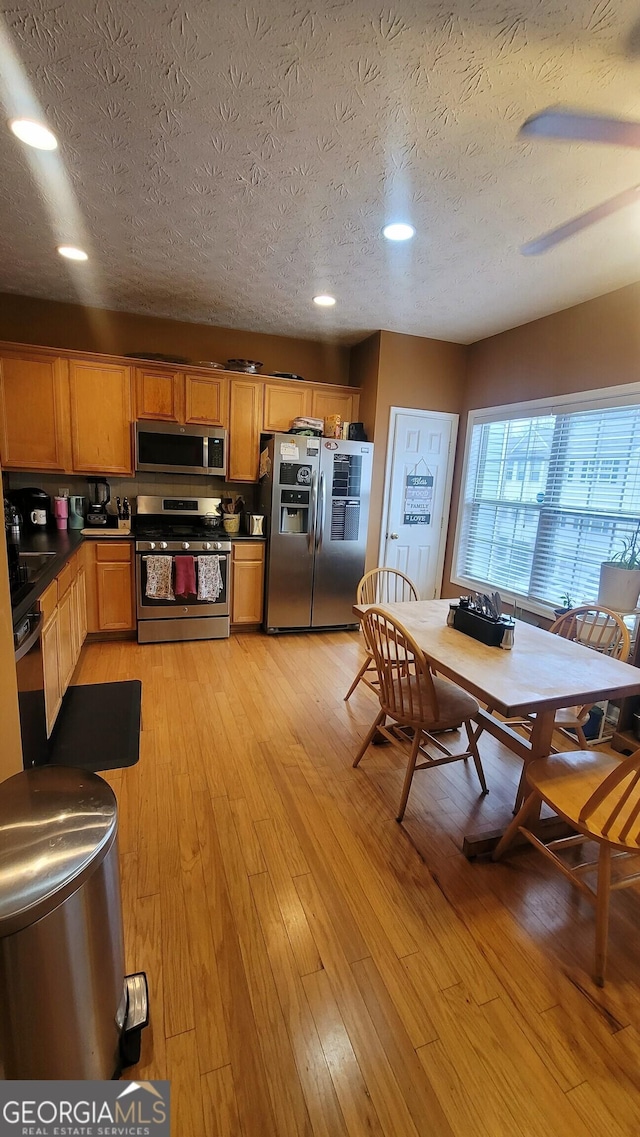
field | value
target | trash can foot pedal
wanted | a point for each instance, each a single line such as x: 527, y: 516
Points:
x: 137, y: 1014
x: 136, y: 1017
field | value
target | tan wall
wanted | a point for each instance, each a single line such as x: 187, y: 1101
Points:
x: 363, y: 373
x: 24, y: 319
x: 592, y: 345
x: 10, y: 743
x: 413, y: 372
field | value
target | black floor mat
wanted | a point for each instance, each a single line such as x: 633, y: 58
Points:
x: 98, y: 726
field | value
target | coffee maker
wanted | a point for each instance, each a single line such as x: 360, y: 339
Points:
x: 34, y: 507
x: 99, y: 498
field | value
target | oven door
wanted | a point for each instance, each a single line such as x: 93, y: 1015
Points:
x: 180, y: 608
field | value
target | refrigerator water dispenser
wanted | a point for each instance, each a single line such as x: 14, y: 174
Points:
x: 294, y: 511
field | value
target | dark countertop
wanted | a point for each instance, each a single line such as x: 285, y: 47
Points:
x: 61, y: 542
x: 64, y: 544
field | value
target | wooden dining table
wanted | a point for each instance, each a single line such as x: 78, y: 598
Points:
x: 539, y: 675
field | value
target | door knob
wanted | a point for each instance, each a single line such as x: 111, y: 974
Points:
x: 393, y: 536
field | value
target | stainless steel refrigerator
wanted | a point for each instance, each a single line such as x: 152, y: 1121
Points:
x: 315, y: 495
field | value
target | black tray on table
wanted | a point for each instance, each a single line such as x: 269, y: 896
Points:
x: 479, y: 627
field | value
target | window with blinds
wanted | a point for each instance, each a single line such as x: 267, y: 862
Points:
x: 547, y: 497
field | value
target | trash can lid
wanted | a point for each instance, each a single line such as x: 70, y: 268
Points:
x: 57, y: 825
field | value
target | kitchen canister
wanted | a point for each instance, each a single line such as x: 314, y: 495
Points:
x: 333, y: 426
x: 231, y: 523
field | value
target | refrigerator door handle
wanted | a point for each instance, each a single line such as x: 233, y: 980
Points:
x: 311, y: 535
x: 320, y: 517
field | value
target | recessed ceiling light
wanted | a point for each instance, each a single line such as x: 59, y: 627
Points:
x: 398, y: 231
x: 324, y: 301
x: 72, y: 254
x: 34, y: 134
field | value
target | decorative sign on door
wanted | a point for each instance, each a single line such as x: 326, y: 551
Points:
x: 418, y: 496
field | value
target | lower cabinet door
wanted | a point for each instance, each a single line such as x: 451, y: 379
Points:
x: 247, y: 584
x: 66, y: 639
x: 115, y: 596
x: 52, y: 688
x: 81, y: 610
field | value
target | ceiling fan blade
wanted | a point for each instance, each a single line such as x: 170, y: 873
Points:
x: 576, y: 126
x: 598, y: 213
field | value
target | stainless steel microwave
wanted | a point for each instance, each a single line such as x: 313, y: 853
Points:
x: 169, y: 448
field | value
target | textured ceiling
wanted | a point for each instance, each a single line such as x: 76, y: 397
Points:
x: 223, y: 163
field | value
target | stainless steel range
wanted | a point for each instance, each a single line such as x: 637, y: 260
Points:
x: 182, y: 570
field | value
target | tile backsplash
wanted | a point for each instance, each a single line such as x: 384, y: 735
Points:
x: 158, y: 485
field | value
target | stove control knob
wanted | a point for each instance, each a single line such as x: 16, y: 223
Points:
x: 217, y: 545
x: 206, y: 544
x: 185, y: 545
x: 152, y: 544
x: 163, y: 545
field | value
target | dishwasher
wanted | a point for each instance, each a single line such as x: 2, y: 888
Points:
x: 30, y: 677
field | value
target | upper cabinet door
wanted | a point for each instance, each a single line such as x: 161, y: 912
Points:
x: 206, y: 399
x: 101, y: 417
x: 283, y: 403
x: 33, y: 412
x: 343, y: 403
x: 245, y: 416
x: 158, y: 394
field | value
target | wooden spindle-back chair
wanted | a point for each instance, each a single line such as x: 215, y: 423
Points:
x: 380, y: 586
x: 595, y: 627
x: 603, y: 631
x: 412, y: 696
x: 599, y: 796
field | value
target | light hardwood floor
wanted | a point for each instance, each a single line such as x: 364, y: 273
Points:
x: 316, y: 969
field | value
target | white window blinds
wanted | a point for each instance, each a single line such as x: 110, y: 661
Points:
x: 547, y: 498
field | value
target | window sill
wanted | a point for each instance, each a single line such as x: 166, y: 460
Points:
x: 518, y: 604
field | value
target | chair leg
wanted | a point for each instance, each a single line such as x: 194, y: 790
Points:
x: 580, y: 735
x: 602, y: 913
x: 367, y: 742
x: 413, y: 757
x: 358, y: 677
x: 531, y: 803
x: 475, y: 754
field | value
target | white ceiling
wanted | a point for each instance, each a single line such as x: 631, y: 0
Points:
x: 225, y: 162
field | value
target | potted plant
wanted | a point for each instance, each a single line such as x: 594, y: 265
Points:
x: 567, y: 605
x: 620, y: 577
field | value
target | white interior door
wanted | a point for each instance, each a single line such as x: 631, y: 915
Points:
x: 419, y: 473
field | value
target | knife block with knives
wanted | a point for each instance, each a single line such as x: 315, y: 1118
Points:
x: 481, y: 618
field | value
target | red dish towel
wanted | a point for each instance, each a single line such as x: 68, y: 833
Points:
x: 185, y: 584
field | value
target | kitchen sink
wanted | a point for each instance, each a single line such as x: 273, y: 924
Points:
x: 34, y: 564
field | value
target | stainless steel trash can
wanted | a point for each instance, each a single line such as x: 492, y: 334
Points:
x: 63, y: 990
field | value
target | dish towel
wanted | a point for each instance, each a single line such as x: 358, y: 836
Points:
x: 209, y: 578
x: 159, y: 578
x: 185, y: 584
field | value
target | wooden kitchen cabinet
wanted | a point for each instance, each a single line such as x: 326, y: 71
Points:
x: 109, y: 581
x: 63, y: 607
x: 247, y: 582
x: 81, y: 607
x: 283, y: 403
x: 101, y: 441
x: 158, y: 394
x: 50, y: 667
x: 206, y: 399
x: 327, y: 402
x: 33, y: 412
x: 245, y: 419
x: 66, y: 639
x: 177, y: 396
